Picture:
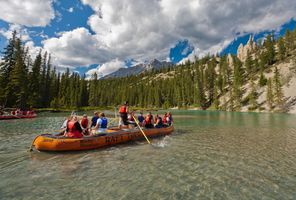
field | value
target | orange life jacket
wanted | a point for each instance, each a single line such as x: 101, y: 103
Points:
x: 123, y: 109
x: 148, y: 120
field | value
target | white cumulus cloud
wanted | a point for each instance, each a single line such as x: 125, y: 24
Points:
x: 144, y: 30
x: 27, y: 12
x: 76, y: 48
x: 106, y: 68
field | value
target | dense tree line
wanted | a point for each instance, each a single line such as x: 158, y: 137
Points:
x: 216, y: 82
x: 27, y: 83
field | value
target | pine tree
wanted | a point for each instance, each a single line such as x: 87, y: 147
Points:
x: 281, y: 49
x: 93, y: 98
x: 9, y: 57
x: 216, y: 97
x: 47, y: 97
x: 278, y: 91
x: 231, y: 101
x: 201, y: 100
x: 35, y: 82
x: 270, y: 51
x: 289, y: 41
x: 43, y: 89
x: 237, y: 83
x: 269, y: 94
x: 262, y: 80
x: 18, y: 79
x: 249, y: 64
x: 211, y: 79
x: 253, y: 96
x: 83, y: 92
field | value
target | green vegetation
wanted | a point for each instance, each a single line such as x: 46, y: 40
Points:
x: 211, y: 82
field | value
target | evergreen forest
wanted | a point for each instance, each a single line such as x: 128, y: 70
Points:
x: 212, y: 82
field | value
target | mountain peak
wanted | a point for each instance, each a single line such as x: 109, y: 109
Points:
x: 139, y: 68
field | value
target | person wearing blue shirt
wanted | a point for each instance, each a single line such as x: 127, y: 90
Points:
x: 94, y: 119
x: 141, y: 119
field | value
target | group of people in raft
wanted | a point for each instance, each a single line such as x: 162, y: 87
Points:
x: 17, y: 112
x: 74, y: 128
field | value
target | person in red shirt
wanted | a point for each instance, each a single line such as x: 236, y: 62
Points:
x: 84, y: 124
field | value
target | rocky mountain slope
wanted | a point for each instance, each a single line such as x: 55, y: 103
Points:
x: 138, y: 69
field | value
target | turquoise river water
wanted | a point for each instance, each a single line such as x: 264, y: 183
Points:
x: 210, y: 155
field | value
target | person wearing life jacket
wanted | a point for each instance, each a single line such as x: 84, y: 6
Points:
x: 123, y: 111
x: 149, y: 121
x: 74, y: 129
x: 170, y: 120
x: 158, y: 122
x: 84, y: 124
x: 164, y: 120
x: 102, y: 123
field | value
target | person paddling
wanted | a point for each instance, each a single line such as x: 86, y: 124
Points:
x: 123, y: 111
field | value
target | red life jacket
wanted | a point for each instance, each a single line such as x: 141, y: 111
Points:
x: 123, y: 109
x: 164, y: 120
x: 148, y: 120
x: 72, y: 131
x: 84, y: 123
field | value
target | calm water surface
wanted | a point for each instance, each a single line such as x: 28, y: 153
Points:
x: 211, y: 155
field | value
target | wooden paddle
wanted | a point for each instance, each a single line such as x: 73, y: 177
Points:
x: 141, y: 130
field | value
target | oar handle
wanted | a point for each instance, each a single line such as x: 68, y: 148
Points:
x: 141, y: 130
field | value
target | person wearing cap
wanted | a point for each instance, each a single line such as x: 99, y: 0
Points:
x: 94, y: 119
x: 123, y: 111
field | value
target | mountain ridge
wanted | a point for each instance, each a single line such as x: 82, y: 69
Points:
x: 139, y: 68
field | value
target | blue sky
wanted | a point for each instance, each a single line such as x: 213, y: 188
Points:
x: 103, y: 36
x: 232, y: 47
